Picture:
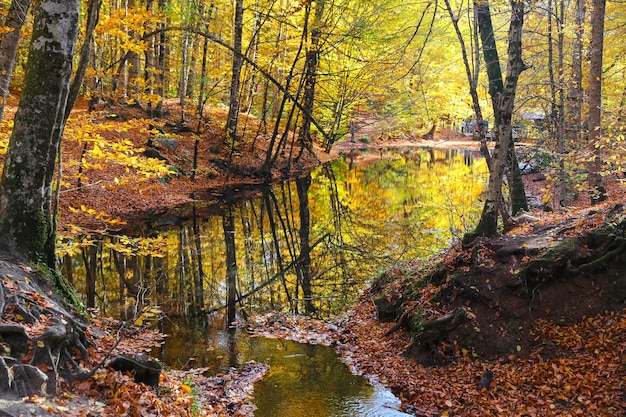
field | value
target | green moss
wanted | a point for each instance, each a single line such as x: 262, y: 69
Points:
x: 62, y: 287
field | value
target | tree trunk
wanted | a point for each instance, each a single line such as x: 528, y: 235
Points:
x: 310, y: 75
x: 596, y: 185
x: 162, y: 51
x: 8, y: 46
x: 93, y: 15
x: 233, y: 108
x: 502, y: 99
x: 26, y: 186
x: 134, y: 63
x: 472, y: 80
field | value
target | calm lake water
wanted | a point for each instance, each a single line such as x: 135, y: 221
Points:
x: 306, y: 246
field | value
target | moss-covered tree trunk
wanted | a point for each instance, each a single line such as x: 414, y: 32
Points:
x: 26, y: 226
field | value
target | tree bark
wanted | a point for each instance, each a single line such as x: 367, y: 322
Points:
x: 8, y: 46
x: 304, y: 262
x: 26, y: 186
x: 233, y: 108
x: 596, y: 185
x: 310, y: 75
x: 93, y: 15
x: 502, y: 99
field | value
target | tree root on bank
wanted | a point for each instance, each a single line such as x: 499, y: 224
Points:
x: 601, y: 261
x: 38, y: 334
x: 429, y: 330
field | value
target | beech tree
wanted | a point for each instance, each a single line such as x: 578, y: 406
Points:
x: 26, y: 222
x: 502, y: 94
x: 27, y: 229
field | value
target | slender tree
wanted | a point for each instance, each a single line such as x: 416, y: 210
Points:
x: 8, y: 46
x: 596, y: 185
x: 502, y: 98
x: 233, y: 108
x: 310, y: 73
x: 93, y: 15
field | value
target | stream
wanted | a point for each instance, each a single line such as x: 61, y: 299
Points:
x: 305, y: 246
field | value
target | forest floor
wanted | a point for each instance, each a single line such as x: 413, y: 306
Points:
x: 506, y: 347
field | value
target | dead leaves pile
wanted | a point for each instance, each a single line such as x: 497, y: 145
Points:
x: 588, y: 381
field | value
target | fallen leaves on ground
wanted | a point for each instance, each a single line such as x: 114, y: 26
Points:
x: 590, y: 380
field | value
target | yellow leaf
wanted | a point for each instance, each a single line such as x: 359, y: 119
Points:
x: 40, y: 344
x: 19, y: 317
x: 186, y: 388
x: 139, y: 321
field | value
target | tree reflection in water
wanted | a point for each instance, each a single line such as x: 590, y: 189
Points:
x: 304, y: 246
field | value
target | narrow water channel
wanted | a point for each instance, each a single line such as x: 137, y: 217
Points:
x: 307, y: 246
x: 303, y: 381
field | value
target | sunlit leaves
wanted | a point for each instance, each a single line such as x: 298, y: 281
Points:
x: 156, y: 246
x: 100, y: 153
x: 148, y: 314
x: 119, y: 24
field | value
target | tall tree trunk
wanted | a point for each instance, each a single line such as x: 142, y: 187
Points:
x: 26, y: 185
x: 575, y: 93
x: 134, y: 63
x: 233, y: 108
x: 502, y: 99
x: 93, y: 15
x: 596, y: 185
x: 472, y: 80
x: 161, y: 61
x: 205, y: 53
x: 8, y: 46
x: 555, y: 17
x: 182, y: 82
x: 149, y: 65
x: 310, y: 75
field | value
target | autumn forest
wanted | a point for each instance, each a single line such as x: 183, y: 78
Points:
x: 426, y: 197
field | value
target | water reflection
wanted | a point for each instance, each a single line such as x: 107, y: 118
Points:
x: 304, y: 246
x: 304, y: 380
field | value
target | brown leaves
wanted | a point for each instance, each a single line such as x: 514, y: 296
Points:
x: 533, y: 385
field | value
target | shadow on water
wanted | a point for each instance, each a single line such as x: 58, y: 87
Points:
x: 306, y: 246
